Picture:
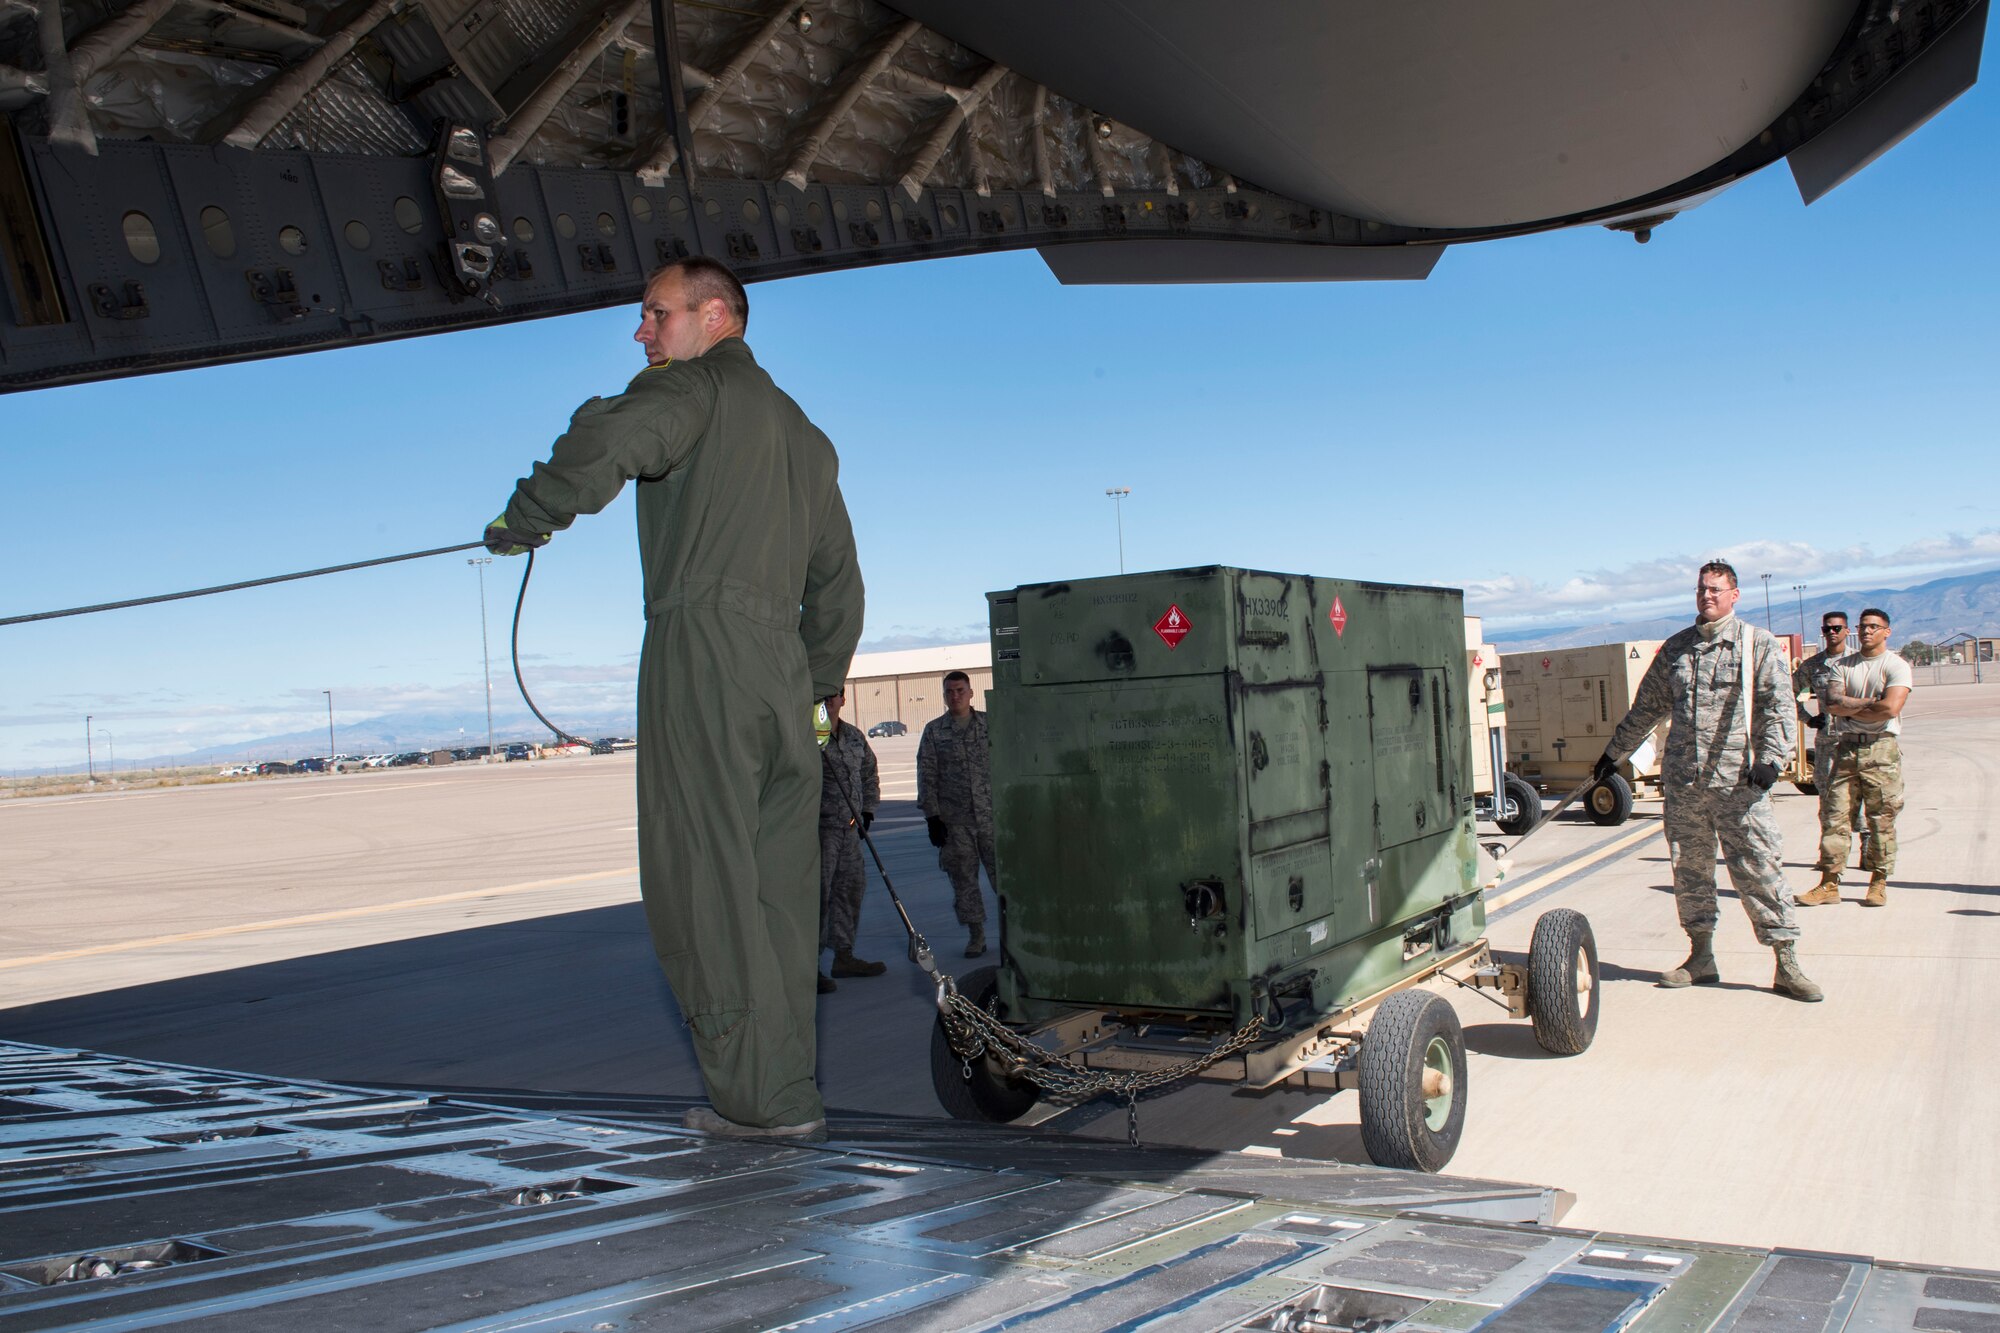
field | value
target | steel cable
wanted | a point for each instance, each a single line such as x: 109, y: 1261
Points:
x: 235, y: 587
x: 515, y: 642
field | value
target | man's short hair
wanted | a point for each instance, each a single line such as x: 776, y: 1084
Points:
x: 958, y: 676
x: 1722, y: 567
x: 704, y: 279
x: 1868, y: 611
x: 1841, y: 616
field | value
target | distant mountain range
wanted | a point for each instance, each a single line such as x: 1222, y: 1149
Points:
x: 394, y: 733
x: 1961, y: 604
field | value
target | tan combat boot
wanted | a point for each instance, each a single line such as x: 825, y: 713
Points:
x: 1790, y: 981
x: 1878, y: 890
x: 1699, y: 969
x: 1825, y: 892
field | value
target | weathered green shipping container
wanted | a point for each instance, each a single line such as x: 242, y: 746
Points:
x: 1219, y: 790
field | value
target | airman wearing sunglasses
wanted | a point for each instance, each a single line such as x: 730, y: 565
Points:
x: 1865, y: 700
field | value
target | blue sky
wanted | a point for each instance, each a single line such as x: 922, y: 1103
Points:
x: 1561, y: 424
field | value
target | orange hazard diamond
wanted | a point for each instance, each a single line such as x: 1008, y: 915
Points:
x: 1339, y: 618
x: 1172, y: 627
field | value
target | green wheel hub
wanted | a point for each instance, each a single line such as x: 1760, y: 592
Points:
x: 1437, y: 1060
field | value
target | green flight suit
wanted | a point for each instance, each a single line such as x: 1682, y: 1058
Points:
x: 753, y: 608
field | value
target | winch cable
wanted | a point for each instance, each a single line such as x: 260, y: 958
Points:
x: 514, y: 650
x: 515, y: 642
x: 234, y: 587
x: 974, y: 1034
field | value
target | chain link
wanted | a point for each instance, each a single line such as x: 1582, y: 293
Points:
x: 975, y: 1034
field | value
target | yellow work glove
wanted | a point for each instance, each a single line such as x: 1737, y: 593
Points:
x: 502, y: 540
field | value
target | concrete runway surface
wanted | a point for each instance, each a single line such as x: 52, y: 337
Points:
x: 478, y: 927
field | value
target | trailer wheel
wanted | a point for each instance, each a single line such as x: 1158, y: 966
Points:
x: 1610, y: 801
x: 1563, y: 982
x: 1527, y: 806
x: 1414, y: 1038
x: 985, y: 1093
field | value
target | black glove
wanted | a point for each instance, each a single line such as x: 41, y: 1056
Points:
x: 1606, y: 766
x: 938, y: 830
x: 1817, y: 721
x: 1763, y: 775
x: 502, y: 540
x: 867, y: 820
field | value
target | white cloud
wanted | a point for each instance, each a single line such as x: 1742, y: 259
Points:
x: 1648, y: 586
x: 899, y: 637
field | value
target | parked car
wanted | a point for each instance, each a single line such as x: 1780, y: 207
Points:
x: 274, y: 766
x: 520, y: 750
x: 312, y: 764
x: 612, y: 744
x: 891, y: 728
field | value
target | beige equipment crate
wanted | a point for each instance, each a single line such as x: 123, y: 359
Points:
x: 1562, y: 706
x: 1511, y: 803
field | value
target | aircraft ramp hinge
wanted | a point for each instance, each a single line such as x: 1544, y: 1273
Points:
x: 130, y: 304
x: 277, y: 291
x: 409, y: 277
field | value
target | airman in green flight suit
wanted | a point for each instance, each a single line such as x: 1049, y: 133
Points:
x: 753, y: 607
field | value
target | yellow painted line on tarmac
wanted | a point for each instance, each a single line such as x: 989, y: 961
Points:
x: 315, y: 918
x: 1540, y: 879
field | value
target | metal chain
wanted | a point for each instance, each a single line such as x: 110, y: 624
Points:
x: 974, y: 1034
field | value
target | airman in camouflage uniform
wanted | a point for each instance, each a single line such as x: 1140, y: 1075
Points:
x: 955, y: 792
x: 1724, y: 753
x: 850, y: 791
x: 1865, y: 700
x: 1811, y: 677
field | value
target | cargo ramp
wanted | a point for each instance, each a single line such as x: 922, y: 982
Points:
x: 143, y: 1195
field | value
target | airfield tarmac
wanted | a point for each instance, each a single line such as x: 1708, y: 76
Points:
x: 478, y: 927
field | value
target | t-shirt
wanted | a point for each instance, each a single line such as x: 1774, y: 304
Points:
x: 1869, y: 678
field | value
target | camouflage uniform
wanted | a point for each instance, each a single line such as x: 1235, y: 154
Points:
x: 955, y: 784
x: 1697, y: 682
x: 1810, y: 677
x: 849, y: 783
x: 1867, y: 777
x: 1867, y: 771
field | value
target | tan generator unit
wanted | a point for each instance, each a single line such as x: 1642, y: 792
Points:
x: 1511, y: 802
x: 1562, y: 706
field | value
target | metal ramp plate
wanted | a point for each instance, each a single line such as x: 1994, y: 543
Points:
x: 141, y: 1195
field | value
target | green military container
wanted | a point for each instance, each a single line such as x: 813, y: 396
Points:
x: 1221, y: 792
x: 1234, y: 824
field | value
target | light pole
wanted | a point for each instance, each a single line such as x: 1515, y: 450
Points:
x: 485, y: 654
x: 1800, y: 589
x: 89, y: 764
x: 109, y: 741
x: 1118, y: 494
x: 1767, y: 601
x: 330, y: 751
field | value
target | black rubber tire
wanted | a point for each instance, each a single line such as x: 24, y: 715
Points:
x: 1393, y: 1127
x: 1565, y: 1017
x: 1610, y: 801
x: 986, y: 1096
x: 1527, y: 805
